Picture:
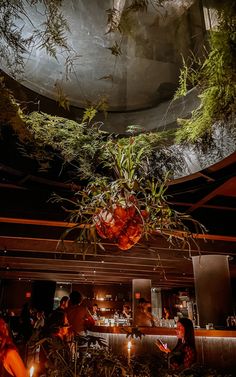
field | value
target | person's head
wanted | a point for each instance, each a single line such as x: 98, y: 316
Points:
x: 185, y: 331
x: 142, y: 302
x: 145, y: 305
x: 166, y: 313
x: 40, y: 314
x: 95, y: 308
x: 60, y: 324
x: 64, y: 302
x: 5, y: 339
x: 75, y: 298
x: 126, y: 309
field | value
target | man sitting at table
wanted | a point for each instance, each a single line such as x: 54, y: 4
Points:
x: 78, y: 314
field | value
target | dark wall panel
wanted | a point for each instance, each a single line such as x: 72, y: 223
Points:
x: 43, y: 295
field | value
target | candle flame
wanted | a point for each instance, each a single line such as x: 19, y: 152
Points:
x: 129, y: 345
x: 31, y: 371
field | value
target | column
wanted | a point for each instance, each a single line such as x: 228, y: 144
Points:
x: 141, y: 288
x: 156, y: 302
x: 43, y: 295
x: 213, y: 289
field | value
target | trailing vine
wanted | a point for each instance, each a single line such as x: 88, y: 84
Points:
x: 215, y: 78
x: 50, y: 37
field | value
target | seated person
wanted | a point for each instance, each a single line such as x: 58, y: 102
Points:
x: 61, y: 308
x: 126, y: 311
x: 78, y: 314
x: 54, y: 351
x: 11, y: 363
x: 63, y: 303
x: 94, y: 313
x: 166, y: 313
x: 143, y: 315
x: 184, y: 353
x: 40, y: 320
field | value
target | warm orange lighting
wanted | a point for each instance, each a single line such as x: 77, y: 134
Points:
x: 129, y: 344
x: 31, y: 371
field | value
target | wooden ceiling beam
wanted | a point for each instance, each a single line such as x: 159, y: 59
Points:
x: 210, y: 206
x: 169, y: 282
x: 152, y: 246
x: 59, y: 224
x: 29, y: 177
x: 226, y: 189
x: 73, y: 264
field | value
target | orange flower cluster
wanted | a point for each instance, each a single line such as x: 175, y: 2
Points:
x: 122, y: 225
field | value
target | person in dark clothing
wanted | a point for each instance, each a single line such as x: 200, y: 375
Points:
x: 183, y: 355
x: 11, y: 364
x: 63, y: 303
x: 54, y: 353
x: 53, y: 317
x: 26, y: 322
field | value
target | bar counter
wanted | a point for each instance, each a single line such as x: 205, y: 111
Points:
x: 215, y: 348
x: 165, y: 331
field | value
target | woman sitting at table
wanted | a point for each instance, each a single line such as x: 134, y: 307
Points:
x: 11, y: 364
x: 126, y: 312
x: 183, y: 356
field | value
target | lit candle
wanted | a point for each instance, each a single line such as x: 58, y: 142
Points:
x: 129, y: 351
x: 31, y: 371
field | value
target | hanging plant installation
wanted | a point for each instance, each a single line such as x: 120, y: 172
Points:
x: 127, y: 205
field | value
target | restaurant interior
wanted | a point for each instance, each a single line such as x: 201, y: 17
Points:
x: 116, y: 73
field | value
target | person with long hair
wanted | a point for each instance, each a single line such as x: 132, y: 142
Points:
x: 183, y: 355
x: 11, y: 363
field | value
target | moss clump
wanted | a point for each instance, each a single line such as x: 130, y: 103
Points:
x: 10, y: 112
x: 77, y: 144
x: 85, y: 147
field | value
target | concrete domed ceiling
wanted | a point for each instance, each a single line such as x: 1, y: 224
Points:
x: 138, y: 84
x: 145, y: 72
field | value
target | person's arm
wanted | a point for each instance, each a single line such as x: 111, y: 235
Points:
x: 14, y: 364
x: 162, y: 347
x: 89, y: 320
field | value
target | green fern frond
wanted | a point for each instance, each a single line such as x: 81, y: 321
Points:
x: 89, y: 114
